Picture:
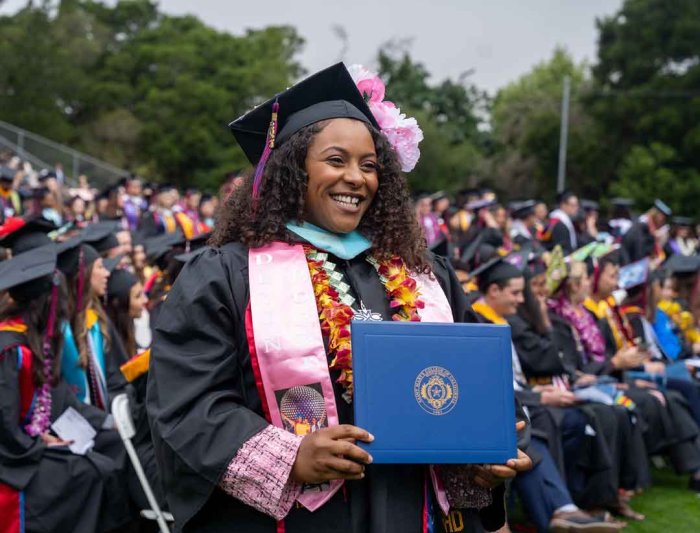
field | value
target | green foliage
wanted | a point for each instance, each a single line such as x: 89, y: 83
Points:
x: 448, y: 114
x: 648, y: 103
x: 653, y: 171
x: 139, y: 88
x: 525, y: 120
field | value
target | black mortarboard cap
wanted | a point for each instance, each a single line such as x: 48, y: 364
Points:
x: 158, y: 247
x: 330, y: 93
x: 69, y: 255
x: 439, y: 195
x: 622, y: 202
x: 590, y: 205
x: 34, y: 193
x: 522, y: 209
x: 120, y: 283
x: 683, y: 264
x: 494, y: 271
x: 30, y: 274
x: 46, y: 174
x: 682, y: 221
x: 32, y: 234
x: 7, y: 173
x: 661, y: 206
x: 111, y: 263
x: 101, y: 236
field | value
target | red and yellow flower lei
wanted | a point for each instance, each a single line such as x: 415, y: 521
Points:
x: 336, y: 316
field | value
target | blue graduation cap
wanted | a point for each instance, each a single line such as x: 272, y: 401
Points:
x: 634, y: 274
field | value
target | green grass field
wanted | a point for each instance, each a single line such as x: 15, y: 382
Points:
x: 668, y: 505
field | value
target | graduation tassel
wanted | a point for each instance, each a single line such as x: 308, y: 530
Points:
x: 81, y: 280
x: 269, y: 145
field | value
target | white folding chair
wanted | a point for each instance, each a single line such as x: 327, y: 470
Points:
x: 125, y: 426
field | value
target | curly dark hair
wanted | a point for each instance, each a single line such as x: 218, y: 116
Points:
x: 389, y: 223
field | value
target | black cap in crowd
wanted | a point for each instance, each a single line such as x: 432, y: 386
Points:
x: 590, y: 205
x: 29, y: 275
x: 120, y: 283
x: 682, y: 221
x: 523, y: 209
x: 69, y: 255
x: 661, y: 206
x: 7, y: 173
x: 29, y: 233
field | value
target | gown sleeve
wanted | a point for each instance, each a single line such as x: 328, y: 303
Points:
x: 538, y: 353
x: 196, y: 399
x: 259, y: 475
x: 19, y: 453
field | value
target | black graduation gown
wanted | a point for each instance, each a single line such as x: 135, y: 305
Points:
x: 638, y: 242
x: 561, y: 236
x: 203, y: 405
x: 621, y: 429
x: 62, y: 491
x: 666, y: 428
x: 597, y: 463
x: 539, y: 354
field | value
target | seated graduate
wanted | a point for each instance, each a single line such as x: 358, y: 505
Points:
x: 640, y: 309
x: 668, y: 424
x: 43, y: 485
x: 93, y: 351
x: 125, y: 303
x: 543, y: 490
x: 576, y: 334
x: 677, y: 300
x: 328, y: 215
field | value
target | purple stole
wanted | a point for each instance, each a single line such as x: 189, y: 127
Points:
x: 288, y: 355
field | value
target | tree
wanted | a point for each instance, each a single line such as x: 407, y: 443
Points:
x: 447, y: 112
x: 648, y: 103
x: 525, y: 121
x: 144, y: 90
x: 649, y: 172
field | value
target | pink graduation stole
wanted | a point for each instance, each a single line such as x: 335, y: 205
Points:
x: 288, y: 354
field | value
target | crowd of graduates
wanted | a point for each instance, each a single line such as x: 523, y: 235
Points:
x: 604, y: 321
x: 603, y: 315
x: 83, y: 274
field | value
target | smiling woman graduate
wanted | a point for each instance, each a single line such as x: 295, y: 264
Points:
x: 250, y: 386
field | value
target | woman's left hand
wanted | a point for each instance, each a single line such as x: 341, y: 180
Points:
x: 490, y: 476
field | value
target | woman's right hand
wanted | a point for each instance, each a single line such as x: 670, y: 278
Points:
x: 51, y: 440
x: 558, y: 398
x: 330, y: 453
x: 628, y: 357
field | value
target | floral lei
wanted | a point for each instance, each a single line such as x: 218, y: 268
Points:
x: 336, y: 316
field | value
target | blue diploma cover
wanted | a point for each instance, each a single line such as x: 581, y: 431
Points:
x: 434, y: 393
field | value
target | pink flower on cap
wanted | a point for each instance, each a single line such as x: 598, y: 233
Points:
x: 403, y: 133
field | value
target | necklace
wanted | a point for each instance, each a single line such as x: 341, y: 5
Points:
x: 334, y: 303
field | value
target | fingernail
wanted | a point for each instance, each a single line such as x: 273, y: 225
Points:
x: 371, y: 437
x: 370, y: 459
